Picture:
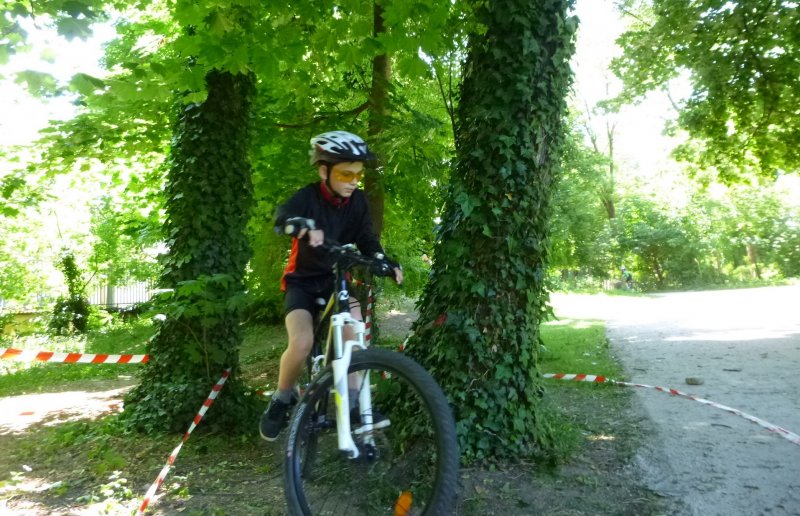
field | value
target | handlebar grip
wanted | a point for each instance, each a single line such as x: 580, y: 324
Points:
x: 295, y: 225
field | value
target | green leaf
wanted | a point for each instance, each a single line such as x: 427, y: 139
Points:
x: 86, y: 84
x: 72, y: 28
x: 48, y: 55
x: 38, y: 83
x: 413, y: 67
x: 478, y: 288
x: 239, y: 60
x: 219, y: 23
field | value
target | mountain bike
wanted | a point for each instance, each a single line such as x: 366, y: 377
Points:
x: 398, y: 453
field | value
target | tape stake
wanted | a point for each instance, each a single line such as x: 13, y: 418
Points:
x: 25, y: 355
x: 786, y: 434
x: 149, y: 496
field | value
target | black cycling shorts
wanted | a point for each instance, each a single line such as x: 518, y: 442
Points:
x: 311, y: 294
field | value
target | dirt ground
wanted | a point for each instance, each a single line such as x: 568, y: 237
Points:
x: 214, y: 476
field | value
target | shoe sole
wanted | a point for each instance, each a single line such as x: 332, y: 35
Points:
x: 267, y: 438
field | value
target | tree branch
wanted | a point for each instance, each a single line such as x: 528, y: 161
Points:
x: 325, y: 116
x: 628, y: 12
x: 447, y: 99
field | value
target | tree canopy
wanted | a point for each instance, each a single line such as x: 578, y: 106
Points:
x: 743, y: 61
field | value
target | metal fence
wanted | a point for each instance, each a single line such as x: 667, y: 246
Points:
x: 121, y: 296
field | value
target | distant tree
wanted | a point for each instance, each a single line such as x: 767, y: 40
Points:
x: 580, y: 215
x: 757, y: 227
x: 743, y: 60
x: 71, y: 311
x: 661, y: 243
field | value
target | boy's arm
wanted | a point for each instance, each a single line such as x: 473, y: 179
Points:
x: 292, y: 219
x: 292, y: 216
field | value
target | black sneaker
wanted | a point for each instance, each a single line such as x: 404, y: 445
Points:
x: 378, y: 420
x: 274, y: 419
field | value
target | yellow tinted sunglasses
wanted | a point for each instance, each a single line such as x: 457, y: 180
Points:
x: 347, y: 176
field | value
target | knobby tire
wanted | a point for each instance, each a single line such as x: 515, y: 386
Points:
x: 416, y: 455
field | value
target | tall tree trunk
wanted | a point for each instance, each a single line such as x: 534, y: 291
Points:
x: 379, y: 110
x: 752, y: 257
x: 608, y: 200
x: 209, y: 193
x: 478, y: 330
x: 608, y: 186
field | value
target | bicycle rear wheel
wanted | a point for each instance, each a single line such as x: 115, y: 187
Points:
x: 412, y: 463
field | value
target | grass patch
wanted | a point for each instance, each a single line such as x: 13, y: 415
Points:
x: 28, y: 377
x: 260, y: 354
x: 98, y: 467
x: 576, y: 346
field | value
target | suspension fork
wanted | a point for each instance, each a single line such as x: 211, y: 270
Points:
x: 343, y: 353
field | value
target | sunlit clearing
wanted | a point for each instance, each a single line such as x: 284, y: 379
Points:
x: 20, y: 484
x: 18, y: 413
x: 577, y: 323
x: 561, y: 322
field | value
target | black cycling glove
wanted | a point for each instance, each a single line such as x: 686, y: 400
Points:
x: 383, y: 266
x: 294, y: 225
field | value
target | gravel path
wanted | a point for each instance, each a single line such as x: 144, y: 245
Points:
x: 744, y: 346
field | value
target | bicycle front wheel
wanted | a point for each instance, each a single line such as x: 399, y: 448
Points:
x: 407, y: 467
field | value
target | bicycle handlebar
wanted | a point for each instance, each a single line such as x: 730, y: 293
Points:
x: 348, y: 256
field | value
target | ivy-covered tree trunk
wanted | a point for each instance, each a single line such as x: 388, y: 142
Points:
x: 478, y: 329
x: 209, y: 193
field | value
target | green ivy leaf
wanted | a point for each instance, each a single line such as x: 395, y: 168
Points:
x: 467, y: 203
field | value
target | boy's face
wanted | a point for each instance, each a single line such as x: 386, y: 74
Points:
x: 344, y: 177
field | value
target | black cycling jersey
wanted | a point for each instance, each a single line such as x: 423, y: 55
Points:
x: 344, y: 220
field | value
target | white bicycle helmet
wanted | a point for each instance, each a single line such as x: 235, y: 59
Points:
x: 338, y: 147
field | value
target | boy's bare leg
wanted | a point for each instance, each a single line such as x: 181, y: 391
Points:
x: 299, y: 327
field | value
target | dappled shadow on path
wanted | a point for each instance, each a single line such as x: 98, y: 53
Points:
x: 19, y: 413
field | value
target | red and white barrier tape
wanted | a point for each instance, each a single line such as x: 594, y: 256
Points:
x: 24, y: 355
x: 786, y: 434
x: 199, y: 417
x: 368, y: 316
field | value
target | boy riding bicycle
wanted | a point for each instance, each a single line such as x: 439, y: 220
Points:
x: 333, y: 209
